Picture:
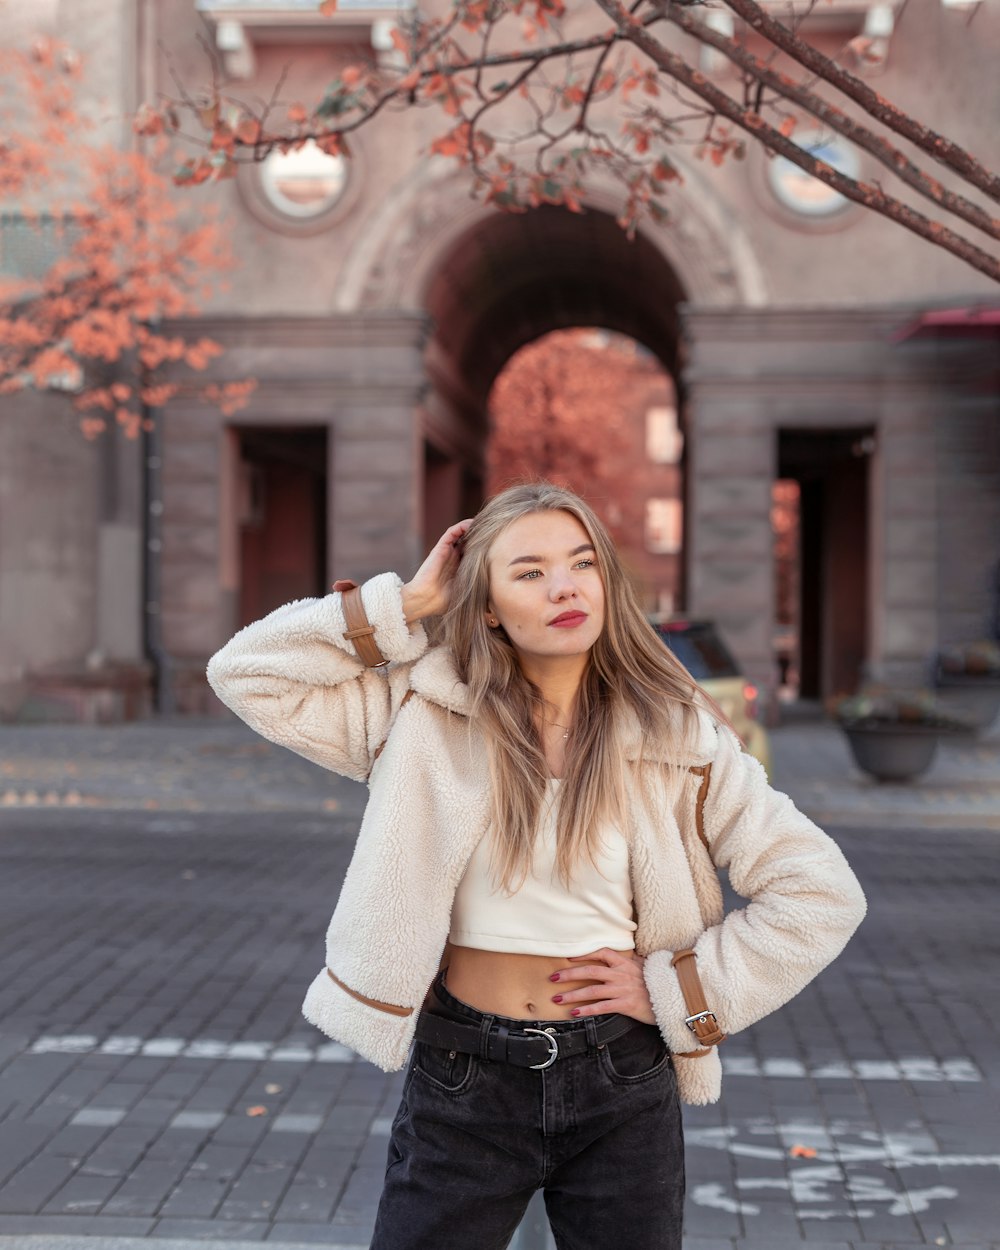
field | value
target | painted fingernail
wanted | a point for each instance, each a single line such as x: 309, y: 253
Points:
x: 575, y: 1011
x: 554, y: 976
x: 557, y: 998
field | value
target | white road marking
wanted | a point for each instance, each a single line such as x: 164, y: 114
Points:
x: 916, y: 1068
x: 817, y: 1186
x: 200, y: 1048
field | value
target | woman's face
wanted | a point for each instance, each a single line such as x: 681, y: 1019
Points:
x: 545, y: 587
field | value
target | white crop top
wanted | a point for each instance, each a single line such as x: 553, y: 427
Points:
x: 544, y: 917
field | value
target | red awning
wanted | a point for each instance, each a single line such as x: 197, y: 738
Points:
x: 968, y: 323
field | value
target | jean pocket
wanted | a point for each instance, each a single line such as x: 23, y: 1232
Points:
x: 638, y: 1055
x: 450, y: 1071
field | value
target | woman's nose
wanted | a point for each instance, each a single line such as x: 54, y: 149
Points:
x: 561, y: 585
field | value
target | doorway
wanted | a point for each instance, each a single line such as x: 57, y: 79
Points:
x: 282, y: 517
x: 825, y: 642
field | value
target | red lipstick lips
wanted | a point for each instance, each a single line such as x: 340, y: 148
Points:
x: 569, y: 618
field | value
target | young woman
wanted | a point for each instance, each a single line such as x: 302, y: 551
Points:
x: 549, y: 794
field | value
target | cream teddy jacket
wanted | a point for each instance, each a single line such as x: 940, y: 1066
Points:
x: 294, y: 679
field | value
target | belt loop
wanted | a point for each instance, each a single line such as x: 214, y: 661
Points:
x: 500, y: 1050
x: 484, y: 1036
x: 590, y: 1024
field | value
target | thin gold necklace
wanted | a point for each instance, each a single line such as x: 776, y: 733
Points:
x: 558, y: 726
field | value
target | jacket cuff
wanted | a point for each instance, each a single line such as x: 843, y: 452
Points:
x: 383, y: 600
x: 668, y: 1002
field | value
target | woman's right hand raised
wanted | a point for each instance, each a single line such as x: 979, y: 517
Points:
x: 428, y: 591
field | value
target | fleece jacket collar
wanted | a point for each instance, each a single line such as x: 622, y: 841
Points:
x: 435, y: 677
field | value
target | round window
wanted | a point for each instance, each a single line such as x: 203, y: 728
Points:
x: 305, y: 183
x: 805, y: 194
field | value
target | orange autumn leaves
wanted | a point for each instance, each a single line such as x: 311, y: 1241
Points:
x: 121, y: 260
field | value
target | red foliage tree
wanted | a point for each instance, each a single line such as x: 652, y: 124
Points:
x: 572, y: 408
x: 124, y: 261
x: 535, y: 98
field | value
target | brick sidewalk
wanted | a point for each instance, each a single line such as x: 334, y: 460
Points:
x: 169, y: 766
x: 221, y: 766
x: 151, y: 974
x: 961, y: 790
x: 163, y: 894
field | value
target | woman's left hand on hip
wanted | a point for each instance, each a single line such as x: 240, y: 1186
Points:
x: 621, y: 987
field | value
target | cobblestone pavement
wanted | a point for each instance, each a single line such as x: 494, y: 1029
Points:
x: 961, y: 789
x: 170, y: 766
x: 220, y: 765
x: 158, y: 1082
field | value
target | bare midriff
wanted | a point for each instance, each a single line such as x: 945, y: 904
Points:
x: 513, y: 985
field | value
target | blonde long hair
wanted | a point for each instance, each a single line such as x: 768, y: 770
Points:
x: 629, y: 671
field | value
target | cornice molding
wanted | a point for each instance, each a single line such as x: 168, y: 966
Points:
x: 808, y: 323
x: 820, y: 389
x: 315, y: 401
x: 369, y: 329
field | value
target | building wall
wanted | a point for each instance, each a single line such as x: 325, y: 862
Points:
x: 357, y: 378
x: 751, y: 374
x: 48, y: 555
x: 967, y: 448
x: 858, y: 258
x: 70, y: 525
x: 942, y: 68
x: 788, y: 325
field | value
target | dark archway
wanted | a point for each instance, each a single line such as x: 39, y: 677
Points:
x: 506, y: 281
x: 515, y: 276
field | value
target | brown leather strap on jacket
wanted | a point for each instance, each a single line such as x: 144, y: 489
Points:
x: 381, y: 746
x: 391, y: 1008
x: 700, y: 1020
x: 359, y: 630
x: 704, y: 771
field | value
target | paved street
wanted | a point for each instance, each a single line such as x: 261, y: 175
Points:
x: 157, y: 1080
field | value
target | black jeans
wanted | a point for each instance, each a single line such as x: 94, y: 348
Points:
x: 472, y: 1140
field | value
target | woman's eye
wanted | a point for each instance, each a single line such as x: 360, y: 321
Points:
x: 586, y: 564
x: 532, y: 573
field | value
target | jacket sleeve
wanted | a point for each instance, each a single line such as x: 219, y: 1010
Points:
x: 296, y: 680
x: 805, y: 902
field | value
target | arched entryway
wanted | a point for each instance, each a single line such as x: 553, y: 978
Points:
x: 485, y: 283
x: 504, y: 282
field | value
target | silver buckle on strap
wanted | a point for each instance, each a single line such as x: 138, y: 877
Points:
x: 700, y: 1018
x: 553, y: 1041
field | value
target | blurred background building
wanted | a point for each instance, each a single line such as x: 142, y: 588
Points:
x: 796, y: 432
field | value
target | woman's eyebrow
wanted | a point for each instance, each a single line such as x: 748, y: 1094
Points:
x: 541, y: 559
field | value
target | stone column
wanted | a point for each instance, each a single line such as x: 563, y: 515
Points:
x: 905, y: 524
x: 751, y: 374
x: 730, y: 466
x: 375, y: 487
x: 730, y: 558
x: 358, y: 377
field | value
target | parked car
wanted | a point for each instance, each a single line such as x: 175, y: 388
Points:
x: 707, y: 658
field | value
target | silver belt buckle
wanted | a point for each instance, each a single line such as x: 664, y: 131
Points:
x: 700, y: 1018
x: 553, y: 1041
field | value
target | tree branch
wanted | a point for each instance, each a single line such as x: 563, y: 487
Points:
x: 935, y: 145
x: 751, y: 122
x: 883, y: 151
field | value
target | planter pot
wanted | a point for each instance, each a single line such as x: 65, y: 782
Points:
x: 970, y: 697
x: 893, y: 752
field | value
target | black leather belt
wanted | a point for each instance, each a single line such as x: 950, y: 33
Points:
x: 526, y: 1047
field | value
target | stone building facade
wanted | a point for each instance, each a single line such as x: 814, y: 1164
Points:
x: 799, y: 342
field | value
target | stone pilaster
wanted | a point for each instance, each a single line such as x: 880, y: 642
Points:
x: 752, y: 374
x: 360, y: 379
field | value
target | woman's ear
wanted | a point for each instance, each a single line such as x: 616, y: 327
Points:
x: 491, y: 618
